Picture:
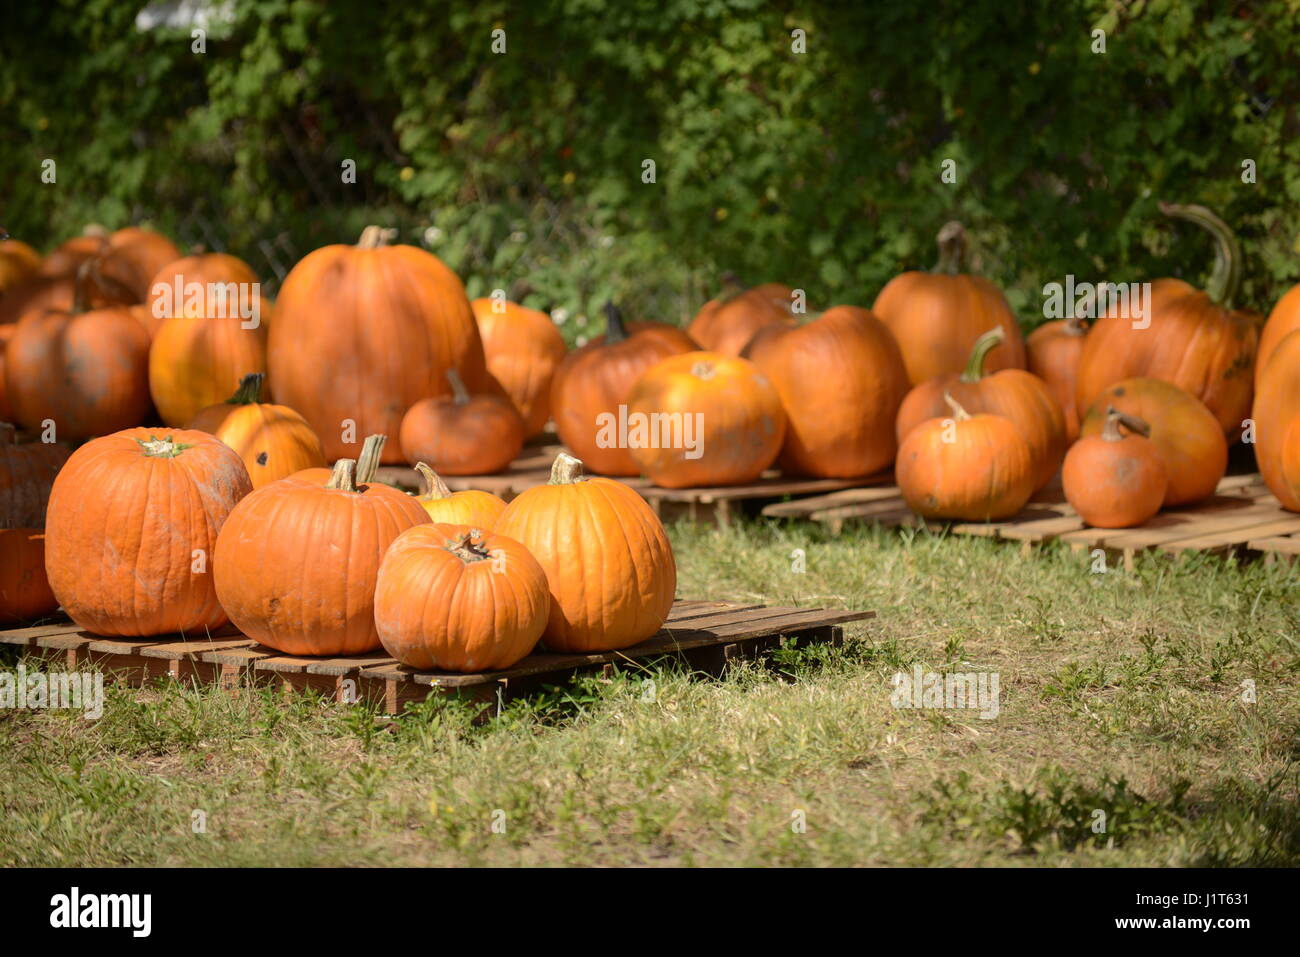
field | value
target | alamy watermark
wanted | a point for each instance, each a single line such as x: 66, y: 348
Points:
x: 972, y: 690
x: 651, y: 430
x: 212, y: 300
x: 60, y: 690
x: 1086, y: 300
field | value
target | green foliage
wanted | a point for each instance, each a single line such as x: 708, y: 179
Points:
x: 524, y: 169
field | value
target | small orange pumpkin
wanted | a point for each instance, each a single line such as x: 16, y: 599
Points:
x: 1053, y: 351
x: 471, y: 507
x: 1115, y: 480
x: 463, y: 434
x: 24, y: 589
x: 492, y: 600
x: 972, y: 467
x: 66, y: 258
x: 523, y: 349
x: 129, y: 259
x: 726, y: 324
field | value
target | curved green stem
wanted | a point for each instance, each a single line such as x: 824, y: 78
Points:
x: 1226, y: 277
x: 249, y: 391
x: 979, y: 352
x: 952, y: 248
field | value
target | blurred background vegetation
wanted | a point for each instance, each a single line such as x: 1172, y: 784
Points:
x: 523, y: 169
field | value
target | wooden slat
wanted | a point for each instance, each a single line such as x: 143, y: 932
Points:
x: 28, y: 636
x: 188, y: 649
x: 1181, y: 525
x: 1278, y: 545
x: 804, y: 507
x: 1237, y: 536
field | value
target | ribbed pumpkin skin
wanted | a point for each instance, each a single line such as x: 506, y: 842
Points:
x: 1276, y: 409
x: 1191, y: 342
x: 523, y: 349
x: 1184, y: 432
x: 985, y: 474
x: 196, y: 362
x: 27, y: 474
x: 123, y: 528
x: 436, y: 610
x: 471, y: 507
x: 597, y: 379
x: 841, y: 379
x: 18, y: 261
x: 24, y: 589
x: 132, y: 257
x: 296, y: 564
x: 1053, y: 351
x: 386, y: 323
x: 1114, y: 484
x: 726, y: 325
x: 742, y: 420
x: 1282, y: 321
x: 273, y: 441
x: 936, y: 318
x: 480, y: 437
x: 87, y: 372
x: 607, y: 560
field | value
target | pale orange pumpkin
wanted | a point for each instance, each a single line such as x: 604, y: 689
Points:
x: 472, y: 507
x: 523, y: 349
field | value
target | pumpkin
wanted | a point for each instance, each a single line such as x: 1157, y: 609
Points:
x: 971, y: 467
x: 18, y: 261
x: 1185, y: 433
x: 1114, y: 480
x: 937, y: 316
x: 722, y: 421
x: 128, y: 261
x: 132, y: 522
x: 1276, y: 409
x: 39, y: 293
x: 297, y: 561
x: 387, y: 322
x: 274, y: 441
x: 26, y: 476
x: 1281, y: 322
x: 471, y: 507
x: 1053, y: 351
x: 726, y: 324
x: 6, y: 410
x: 523, y: 349
x: 609, y: 566
x: 1195, y: 340
x: 24, y: 589
x: 463, y: 434
x: 593, y: 382
x: 87, y: 372
x: 66, y: 258
x: 1013, y: 394
x: 197, y: 359
x: 841, y: 379
x: 144, y: 315
x: 492, y: 600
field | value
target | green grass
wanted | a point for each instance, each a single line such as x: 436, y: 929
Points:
x: 1121, y: 705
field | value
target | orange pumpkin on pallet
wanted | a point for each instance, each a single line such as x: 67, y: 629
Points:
x: 471, y: 507
x: 523, y: 350
x: 973, y: 467
x: 1015, y: 394
x: 24, y: 588
x: 937, y: 316
x: 133, y: 519
x: 1195, y: 340
x: 841, y: 379
x: 1276, y: 410
x: 1114, y: 480
x: 723, y: 423
x: 1282, y: 321
x: 296, y: 563
x: 493, y: 600
x: 1185, y: 433
x: 463, y: 434
x: 726, y: 324
x: 1053, y: 353
x: 617, y: 588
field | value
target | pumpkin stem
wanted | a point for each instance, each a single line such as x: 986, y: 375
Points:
x: 615, y: 330
x: 952, y: 248
x: 373, y: 237
x: 1226, y: 277
x: 1074, y: 326
x: 459, y: 394
x: 469, y: 546
x: 249, y: 391
x: 703, y: 369
x: 81, y: 285
x: 566, y: 470
x: 979, y: 352
x: 367, y: 463
x: 163, y: 448
x: 958, y: 410
x: 95, y: 231
x: 344, y: 475
x: 434, y: 486
x: 1115, y: 418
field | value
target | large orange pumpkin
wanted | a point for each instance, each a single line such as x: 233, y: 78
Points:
x: 1053, y: 351
x: 841, y: 379
x: 18, y: 261
x: 26, y: 476
x: 492, y: 601
x: 937, y: 316
x: 1014, y: 394
x: 607, y: 559
x: 296, y: 563
x: 595, y: 380
x: 1282, y: 321
x: 463, y: 434
x: 1115, y: 480
x: 1276, y: 410
x: 128, y: 261
x: 726, y: 324
x: 274, y: 441
x: 1182, y: 429
x: 703, y: 418
x: 972, y: 467
x: 1195, y: 340
x: 472, y: 507
x: 387, y: 322
x: 85, y: 371
x: 523, y: 350
x: 24, y: 588
x: 133, y: 519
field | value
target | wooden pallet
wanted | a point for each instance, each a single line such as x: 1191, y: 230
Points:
x: 1241, y: 516
x: 708, y: 634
